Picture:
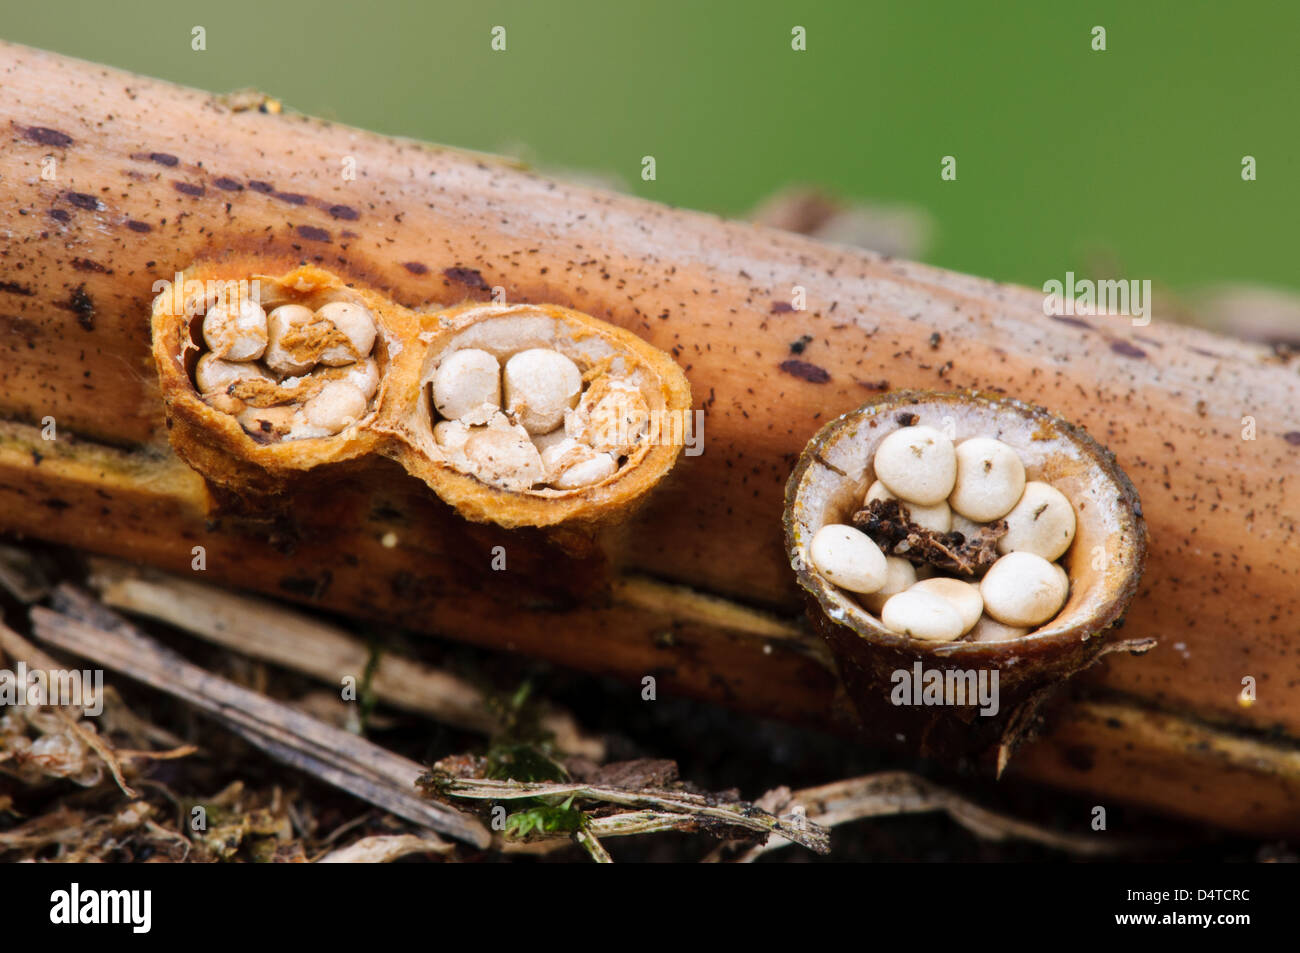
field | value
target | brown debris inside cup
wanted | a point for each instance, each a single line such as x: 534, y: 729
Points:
x: 887, y: 523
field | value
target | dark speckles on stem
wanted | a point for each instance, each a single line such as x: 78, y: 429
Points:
x: 1292, y: 438
x: 470, y: 277
x: 306, y: 586
x: 140, y: 227
x: 83, y: 306
x: 266, y: 188
x: 1069, y: 319
x: 781, y: 307
x: 879, y: 385
x: 312, y: 233
x: 14, y: 288
x: 11, y: 324
x: 163, y: 158
x: 185, y: 188
x: 345, y: 212
x: 1125, y: 349
x: 805, y: 371
x: 293, y: 198
x: 88, y: 202
x: 94, y: 267
x: 415, y: 267
x: 61, y: 215
x: 227, y: 184
x: 1080, y: 757
x: 48, y: 137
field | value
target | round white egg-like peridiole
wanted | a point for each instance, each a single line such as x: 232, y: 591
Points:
x: 356, y: 324
x: 571, y: 464
x: 593, y: 470
x: 848, y: 557
x: 965, y: 598
x: 502, y: 453
x: 900, y: 575
x: 917, y: 464
x: 450, y: 434
x: 988, y: 629
x: 1023, y: 589
x: 467, y: 380
x: 235, y: 330
x: 364, y: 376
x: 337, y: 405
x: 280, y: 323
x: 544, y: 441
x: 213, y: 373
x: 990, y: 479
x: 540, y: 385
x: 1042, y: 523
x: 922, y: 615
x: 1064, y: 577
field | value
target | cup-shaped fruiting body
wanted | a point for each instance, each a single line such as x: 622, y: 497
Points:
x: 524, y: 415
x: 268, y: 371
x: 536, y: 415
x: 1017, y: 616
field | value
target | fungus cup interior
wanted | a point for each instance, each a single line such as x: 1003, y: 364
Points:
x: 206, y: 428
x: 601, y: 355
x: 1104, y: 561
x: 215, y: 433
x: 313, y: 290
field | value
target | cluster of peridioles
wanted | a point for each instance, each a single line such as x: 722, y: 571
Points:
x: 945, y: 488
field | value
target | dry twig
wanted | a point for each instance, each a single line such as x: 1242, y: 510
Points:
x: 263, y: 630
x: 700, y: 812
x: 383, y: 849
x: 900, y: 792
x: 334, y: 756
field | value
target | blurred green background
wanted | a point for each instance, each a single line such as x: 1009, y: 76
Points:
x: 1065, y: 157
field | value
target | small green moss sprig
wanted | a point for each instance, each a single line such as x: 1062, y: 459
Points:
x: 547, y: 819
